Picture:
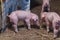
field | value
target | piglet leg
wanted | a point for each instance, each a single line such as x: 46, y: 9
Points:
x: 47, y: 23
x: 55, y: 30
x: 28, y: 23
x: 15, y: 28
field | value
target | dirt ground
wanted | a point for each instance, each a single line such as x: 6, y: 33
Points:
x: 34, y: 33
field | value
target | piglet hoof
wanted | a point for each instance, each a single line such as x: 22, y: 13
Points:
x: 55, y: 37
x: 29, y: 28
x: 48, y: 31
x: 16, y: 31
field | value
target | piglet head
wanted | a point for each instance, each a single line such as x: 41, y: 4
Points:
x: 35, y: 20
x: 43, y: 15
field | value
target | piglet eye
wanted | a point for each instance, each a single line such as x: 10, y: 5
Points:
x: 36, y: 19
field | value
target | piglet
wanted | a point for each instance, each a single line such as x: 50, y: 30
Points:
x: 54, y: 18
x: 22, y: 15
x: 45, y: 6
x: 35, y: 19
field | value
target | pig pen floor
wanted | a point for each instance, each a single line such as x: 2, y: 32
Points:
x: 24, y: 34
x: 34, y: 33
